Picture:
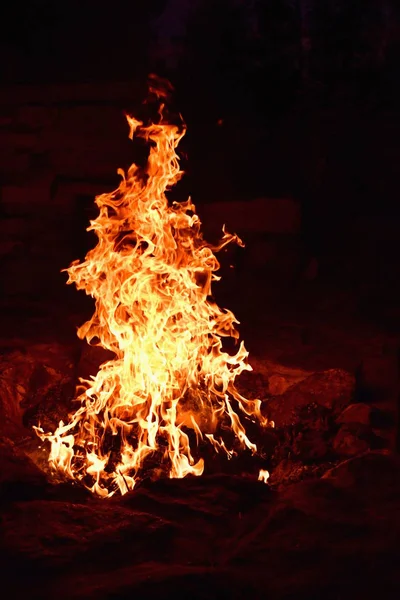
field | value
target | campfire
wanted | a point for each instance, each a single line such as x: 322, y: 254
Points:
x: 165, y: 394
x: 171, y: 385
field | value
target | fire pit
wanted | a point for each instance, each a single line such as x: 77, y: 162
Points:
x: 150, y: 275
x: 176, y: 469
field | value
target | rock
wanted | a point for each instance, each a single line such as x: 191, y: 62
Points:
x: 35, y: 384
x: 55, y: 531
x: 309, y: 440
x: 49, y: 405
x: 379, y: 385
x: 277, y: 385
x: 16, y: 370
x: 290, y: 471
x: 377, y: 470
x: 356, y: 413
x: 332, y: 390
x: 276, y: 374
x: 310, y: 445
x: 268, y: 378
x: 348, y: 443
x: 20, y: 478
x: 212, y: 537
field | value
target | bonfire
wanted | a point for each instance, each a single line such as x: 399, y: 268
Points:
x: 170, y: 386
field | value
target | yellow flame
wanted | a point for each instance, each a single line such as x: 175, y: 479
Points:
x: 263, y: 476
x: 150, y: 275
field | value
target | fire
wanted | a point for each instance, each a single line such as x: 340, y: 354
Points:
x: 171, y: 384
x: 263, y: 476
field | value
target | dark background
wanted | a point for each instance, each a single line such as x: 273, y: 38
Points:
x: 283, y: 98
x: 292, y: 108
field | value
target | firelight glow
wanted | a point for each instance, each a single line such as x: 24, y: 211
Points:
x: 170, y: 385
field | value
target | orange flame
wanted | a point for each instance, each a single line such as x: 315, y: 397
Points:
x: 150, y: 275
x: 263, y: 476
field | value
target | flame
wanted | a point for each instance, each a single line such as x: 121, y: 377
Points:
x: 171, y: 381
x: 263, y: 476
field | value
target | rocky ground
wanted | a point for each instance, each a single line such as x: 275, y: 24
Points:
x: 327, y: 525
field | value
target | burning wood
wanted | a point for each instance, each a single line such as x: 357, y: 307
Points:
x: 171, y: 383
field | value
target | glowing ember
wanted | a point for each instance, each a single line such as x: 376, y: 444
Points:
x: 170, y: 383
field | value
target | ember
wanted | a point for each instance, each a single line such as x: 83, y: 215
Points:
x: 171, y: 384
